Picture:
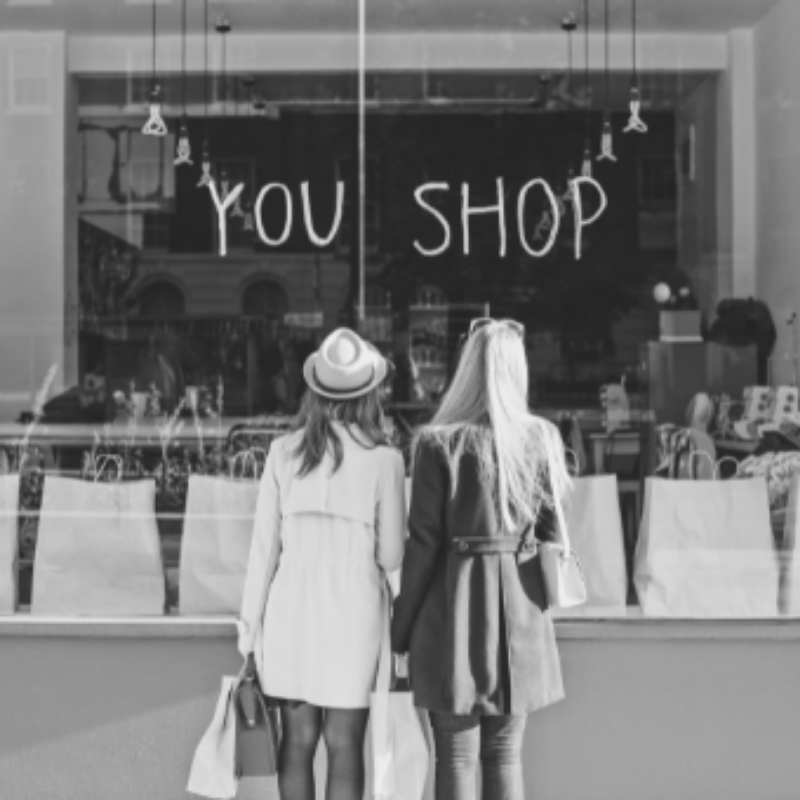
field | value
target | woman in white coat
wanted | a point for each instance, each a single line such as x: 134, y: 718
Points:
x: 330, y: 520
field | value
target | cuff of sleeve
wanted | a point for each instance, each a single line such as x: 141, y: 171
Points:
x: 245, y: 643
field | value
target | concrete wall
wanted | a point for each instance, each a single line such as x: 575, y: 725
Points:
x: 777, y: 61
x: 663, y: 712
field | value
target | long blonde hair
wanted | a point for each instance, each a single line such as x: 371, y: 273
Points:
x: 485, y: 411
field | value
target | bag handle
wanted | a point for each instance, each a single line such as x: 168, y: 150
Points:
x: 562, y: 524
x: 693, y: 470
x: 721, y: 462
x: 383, y: 679
x: 568, y: 451
x: 247, y: 456
x: 101, y: 462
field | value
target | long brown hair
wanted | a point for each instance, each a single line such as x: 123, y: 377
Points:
x: 315, y: 419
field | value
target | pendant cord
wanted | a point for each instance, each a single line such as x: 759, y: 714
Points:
x: 635, y: 76
x: 224, y: 98
x: 153, y: 77
x: 586, y: 67
x: 183, y: 56
x: 205, y: 70
x: 608, y: 59
x: 569, y: 95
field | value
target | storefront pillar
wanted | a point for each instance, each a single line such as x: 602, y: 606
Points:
x: 34, y: 202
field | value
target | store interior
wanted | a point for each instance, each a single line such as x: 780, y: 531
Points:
x: 127, y: 333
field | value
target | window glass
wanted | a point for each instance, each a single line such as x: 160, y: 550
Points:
x: 196, y: 194
x: 607, y: 174
x: 170, y: 258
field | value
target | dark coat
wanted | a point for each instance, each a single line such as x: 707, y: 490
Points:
x: 480, y: 638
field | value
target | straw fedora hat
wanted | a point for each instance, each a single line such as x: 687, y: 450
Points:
x: 344, y: 367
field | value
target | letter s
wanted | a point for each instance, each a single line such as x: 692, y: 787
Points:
x: 426, y: 187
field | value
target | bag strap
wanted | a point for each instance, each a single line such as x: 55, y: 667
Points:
x: 562, y: 524
x: 721, y: 462
x: 693, y: 467
x: 383, y: 679
x: 101, y: 462
x: 247, y: 457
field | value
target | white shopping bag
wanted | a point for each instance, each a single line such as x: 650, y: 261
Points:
x: 594, y: 523
x: 98, y: 551
x: 789, y: 553
x: 706, y: 549
x: 9, y: 538
x: 400, y: 751
x: 217, y: 530
x: 213, y: 772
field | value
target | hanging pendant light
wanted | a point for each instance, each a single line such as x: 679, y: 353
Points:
x: 249, y: 222
x: 155, y: 125
x: 223, y: 28
x: 607, y: 135
x: 635, y: 124
x: 183, y: 154
x: 237, y: 211
x: 586, y: 165
x: 568, y: 25
x: 206, y: 179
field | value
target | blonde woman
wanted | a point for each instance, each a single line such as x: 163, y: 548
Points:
x: 330, y: 519
x: 472, y: 608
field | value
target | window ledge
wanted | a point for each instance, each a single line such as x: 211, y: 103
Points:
x: 702, y: 630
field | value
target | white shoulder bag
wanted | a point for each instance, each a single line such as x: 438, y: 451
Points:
x: 564, y: 580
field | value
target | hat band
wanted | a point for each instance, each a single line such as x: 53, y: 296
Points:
x: 329, y: 390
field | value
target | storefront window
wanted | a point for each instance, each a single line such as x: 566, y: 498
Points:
x: 195, y: 195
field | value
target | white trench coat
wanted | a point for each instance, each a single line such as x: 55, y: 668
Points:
x: 315, y: 630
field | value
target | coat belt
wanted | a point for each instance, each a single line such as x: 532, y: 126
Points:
x: 485, y: 545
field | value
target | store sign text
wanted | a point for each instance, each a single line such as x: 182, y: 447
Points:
x: 556, y: 213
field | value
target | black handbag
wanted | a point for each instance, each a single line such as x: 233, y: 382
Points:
x: 257, y: 728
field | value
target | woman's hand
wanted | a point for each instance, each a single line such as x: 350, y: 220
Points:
x: 249, y: 668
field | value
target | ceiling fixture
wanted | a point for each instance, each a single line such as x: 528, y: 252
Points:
x: 249, y: 83
x: 184, y: 151
x: 155, y: 125
x: 206, y: 179
x: 635, y: 124
x: 586, y: 166
x: 569, y: 25
x: 237, y: 211
x: 607, y: 137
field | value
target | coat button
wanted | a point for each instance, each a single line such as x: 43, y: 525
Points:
x: 463, y: 546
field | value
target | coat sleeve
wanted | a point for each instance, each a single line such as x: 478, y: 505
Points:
x: 391, y: 514
x: 264, y: 552
x: 426, y: 525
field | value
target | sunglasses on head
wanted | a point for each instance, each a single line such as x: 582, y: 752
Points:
x: 482, y: 322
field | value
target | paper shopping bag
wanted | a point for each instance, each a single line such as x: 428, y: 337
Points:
x: 213, y: 773
x: 217, y: 530
x: 706, y: 549
x: 9, y: 539
x: 594, y: 523
x: 98, y: 551
x: 400, y: 752
x: 789, y: 555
